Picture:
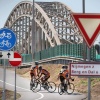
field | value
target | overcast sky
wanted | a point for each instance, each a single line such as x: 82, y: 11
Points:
x: 91, y: 6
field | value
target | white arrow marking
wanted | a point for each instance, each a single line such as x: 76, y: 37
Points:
x: 5, y: 56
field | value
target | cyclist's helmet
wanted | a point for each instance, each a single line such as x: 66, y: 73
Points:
x: 63, y: 67
x: 36, y: 63
x: 40, y: 67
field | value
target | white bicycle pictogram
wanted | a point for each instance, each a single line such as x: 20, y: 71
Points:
x: 5, y: 43
x: 2, y: 35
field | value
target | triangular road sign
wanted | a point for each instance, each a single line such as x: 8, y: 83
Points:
x: 89, y: 26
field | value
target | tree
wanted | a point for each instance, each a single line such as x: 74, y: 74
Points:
x: 97, y: 47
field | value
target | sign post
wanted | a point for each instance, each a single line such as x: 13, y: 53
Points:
x: 89, y: 26
x: 15, y: 61
x: 4, y: 80
x: 15, y: 85
x: 5, y: 55
x: 7, y: 42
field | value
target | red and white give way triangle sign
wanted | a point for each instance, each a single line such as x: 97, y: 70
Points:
x: 89, y: 25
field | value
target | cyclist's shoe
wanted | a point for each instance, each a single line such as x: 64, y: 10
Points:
x: 69, y: 87
x: 46, y: 83
x: 62, y: 90
x: 65, y: 89
x: 30, y: 87
x: 42, y: 83
x: 33, y: 84
x: 68, y: 83
x: 45, y: 87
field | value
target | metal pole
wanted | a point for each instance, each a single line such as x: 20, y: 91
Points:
x: 89, y: 79
x: 4, y: 80
x: 89, y: 88
x: 33, y: 31
x: 15, y: 86
x: 99, y: 44
x: 83, y: 6
x: 88, y: 57
x: 84, y: 45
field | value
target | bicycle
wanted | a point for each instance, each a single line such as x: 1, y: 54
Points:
x: 32, y: 84
x: 8, y: 35
x: 37, y: 84
x: 5, y: 43
x: 67, y: 88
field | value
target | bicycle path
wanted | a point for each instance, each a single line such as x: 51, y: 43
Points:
x: 23, y: 86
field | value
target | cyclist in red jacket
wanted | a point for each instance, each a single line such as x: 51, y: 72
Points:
x: 43, y: 74
x: 34, y: 72
x: 64, y: 75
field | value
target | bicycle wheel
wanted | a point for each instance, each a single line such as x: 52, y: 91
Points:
x: 51, y: 87
x: 70, y: 88
x: 32, y: 85
x: 36, y: 87
x: 60, y: 89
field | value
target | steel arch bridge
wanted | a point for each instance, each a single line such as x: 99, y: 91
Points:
x: 54, y: 25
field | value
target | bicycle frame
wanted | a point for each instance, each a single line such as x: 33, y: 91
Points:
x: 68, y: 87
x: 49, y: 86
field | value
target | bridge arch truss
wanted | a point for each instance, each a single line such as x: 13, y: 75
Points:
x: 54, y: 25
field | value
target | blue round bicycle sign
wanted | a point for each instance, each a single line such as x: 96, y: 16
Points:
x: 7, y: 39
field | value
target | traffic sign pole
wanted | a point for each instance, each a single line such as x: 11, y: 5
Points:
x: 15, y: 86
x: 89, y: 79
x: 88, y: 56
x: 4, y: 77
x: 15, y: 61
x: 7, y: 42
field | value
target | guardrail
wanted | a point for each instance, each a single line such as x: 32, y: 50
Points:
x: 25, y: 65
x: 65, y: 59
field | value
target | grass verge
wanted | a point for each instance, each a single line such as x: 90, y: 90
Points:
x: 9, y: 95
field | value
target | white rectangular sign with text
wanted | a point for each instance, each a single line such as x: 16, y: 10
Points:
x: 85, y: 69
x: 6, y: 54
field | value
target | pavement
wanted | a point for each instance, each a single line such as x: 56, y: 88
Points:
x: 23, y: 88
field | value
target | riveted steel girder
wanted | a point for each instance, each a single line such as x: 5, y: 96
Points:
x: 53, y: 25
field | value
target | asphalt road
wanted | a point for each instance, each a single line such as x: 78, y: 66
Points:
x: 23, y: 87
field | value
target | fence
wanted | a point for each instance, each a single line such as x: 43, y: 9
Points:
x: 72, y: 50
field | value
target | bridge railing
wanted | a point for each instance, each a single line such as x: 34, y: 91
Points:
x: 65, y: 50
x: 68, y: 50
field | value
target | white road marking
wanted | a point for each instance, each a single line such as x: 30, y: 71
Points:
x: 25, y: 89
x: 40, y: 97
